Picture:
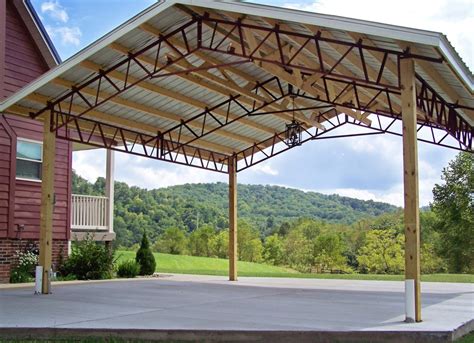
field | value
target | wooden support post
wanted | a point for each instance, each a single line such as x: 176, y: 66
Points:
x: 411, y: 197
x: 109, y: 188
x: 233, y: 252
x: 47, y: 205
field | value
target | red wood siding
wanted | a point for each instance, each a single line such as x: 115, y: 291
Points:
x: 23, y: 61
x: 27, y: 199
x: 5, y: 177
x: 3, y: 16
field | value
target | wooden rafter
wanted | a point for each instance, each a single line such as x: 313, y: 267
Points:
x: 292, y: 77
x: 206, y: 81
x: 252, y: 82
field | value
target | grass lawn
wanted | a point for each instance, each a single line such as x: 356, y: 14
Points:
x: 181, y: 264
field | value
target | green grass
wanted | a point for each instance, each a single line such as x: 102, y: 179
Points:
x: 469, y: 338
x: 182, y: 264
x: 90, y: 339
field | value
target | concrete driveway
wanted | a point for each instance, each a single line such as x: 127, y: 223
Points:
x: 187, y: 302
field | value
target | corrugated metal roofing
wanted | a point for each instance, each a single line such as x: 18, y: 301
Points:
x: 160, y: 103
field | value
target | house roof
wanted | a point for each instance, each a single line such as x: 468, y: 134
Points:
x: 228, y: 77
x: 38, y: 32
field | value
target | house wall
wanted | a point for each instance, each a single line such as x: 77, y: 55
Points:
x: 22, y: 59
x: 9, y: 247
x: 20, y: 63
x: 20, y: 200
x: 27, y: 194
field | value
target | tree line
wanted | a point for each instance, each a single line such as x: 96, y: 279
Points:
x: 368, y: 244
x: 190, y: 206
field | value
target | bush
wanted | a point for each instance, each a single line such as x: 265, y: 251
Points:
x: 145, y: 257
x: 89, y: 260
x: 25, y: 268
x: 128, y: 269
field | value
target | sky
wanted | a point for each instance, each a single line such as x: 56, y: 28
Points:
x: 362, y: 167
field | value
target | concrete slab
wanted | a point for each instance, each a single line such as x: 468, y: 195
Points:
x: 261, y: 305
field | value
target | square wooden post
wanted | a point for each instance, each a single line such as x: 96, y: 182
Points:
x: 47, y: 204
x: 411, y: 196
x: 233, y: 253
x: 109, y: 188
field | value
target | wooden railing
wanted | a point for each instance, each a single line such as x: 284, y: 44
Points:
x: 89, y: 212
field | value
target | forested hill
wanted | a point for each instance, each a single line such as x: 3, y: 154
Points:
x: 263, y: 207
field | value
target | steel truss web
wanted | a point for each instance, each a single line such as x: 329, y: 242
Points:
x: 368, y: 94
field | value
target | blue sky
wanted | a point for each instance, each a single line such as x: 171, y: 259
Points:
x: 363, y: 167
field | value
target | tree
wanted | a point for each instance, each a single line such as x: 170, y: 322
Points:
x: 453, y: 203
x: 268, y: 209
x: 219, y: 244
x: 249, y: 245
x: 430, y: 261
x: 199, y: 241
x: 172, y: 241
x: 273, y: 250
x: 298, y: 251
x: 145, y: 257
x: 382, y: 252
x: 329, y: 250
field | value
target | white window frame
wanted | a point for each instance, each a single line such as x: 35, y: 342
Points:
x: 28, y: 159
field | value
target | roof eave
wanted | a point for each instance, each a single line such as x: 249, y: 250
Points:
x: 460, y: 68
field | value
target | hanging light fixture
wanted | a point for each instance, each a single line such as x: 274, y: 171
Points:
x: 293, y: 129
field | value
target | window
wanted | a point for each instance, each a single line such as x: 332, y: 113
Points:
x: 29, y: 160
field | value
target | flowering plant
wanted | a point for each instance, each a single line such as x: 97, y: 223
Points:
x: 27, y: 260
x: 24, y: 270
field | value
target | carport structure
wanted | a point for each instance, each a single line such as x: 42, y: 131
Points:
x: 226, y: 85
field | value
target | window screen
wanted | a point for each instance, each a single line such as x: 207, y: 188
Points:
x: 28, y: 160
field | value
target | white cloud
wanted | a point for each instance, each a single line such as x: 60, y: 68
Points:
x: 89, y: 164
x: 141, y: 171
x: 455, y: 18
x: 67, y: 35
x: 265, y: 168
x: 55, y: 11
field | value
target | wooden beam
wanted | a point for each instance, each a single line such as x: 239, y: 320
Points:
x: 311, y: 49
x: 233, y: 252
x: 47, y: 206
x: 209, y: 81
x: 310, y: 84
x: 294, y: 78
x: 357, y: 115
x: 410, y: 177
x: 201, y: 54
x: 245, y: 90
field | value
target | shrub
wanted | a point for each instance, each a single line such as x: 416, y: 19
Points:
x: 89, y: 260
x: 145, y: 257
x: 25, y: 268
x: 128, y: 269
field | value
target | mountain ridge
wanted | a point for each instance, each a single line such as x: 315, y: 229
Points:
x: 187, y: 206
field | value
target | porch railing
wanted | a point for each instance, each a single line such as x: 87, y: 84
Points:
x: 89, y: 212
